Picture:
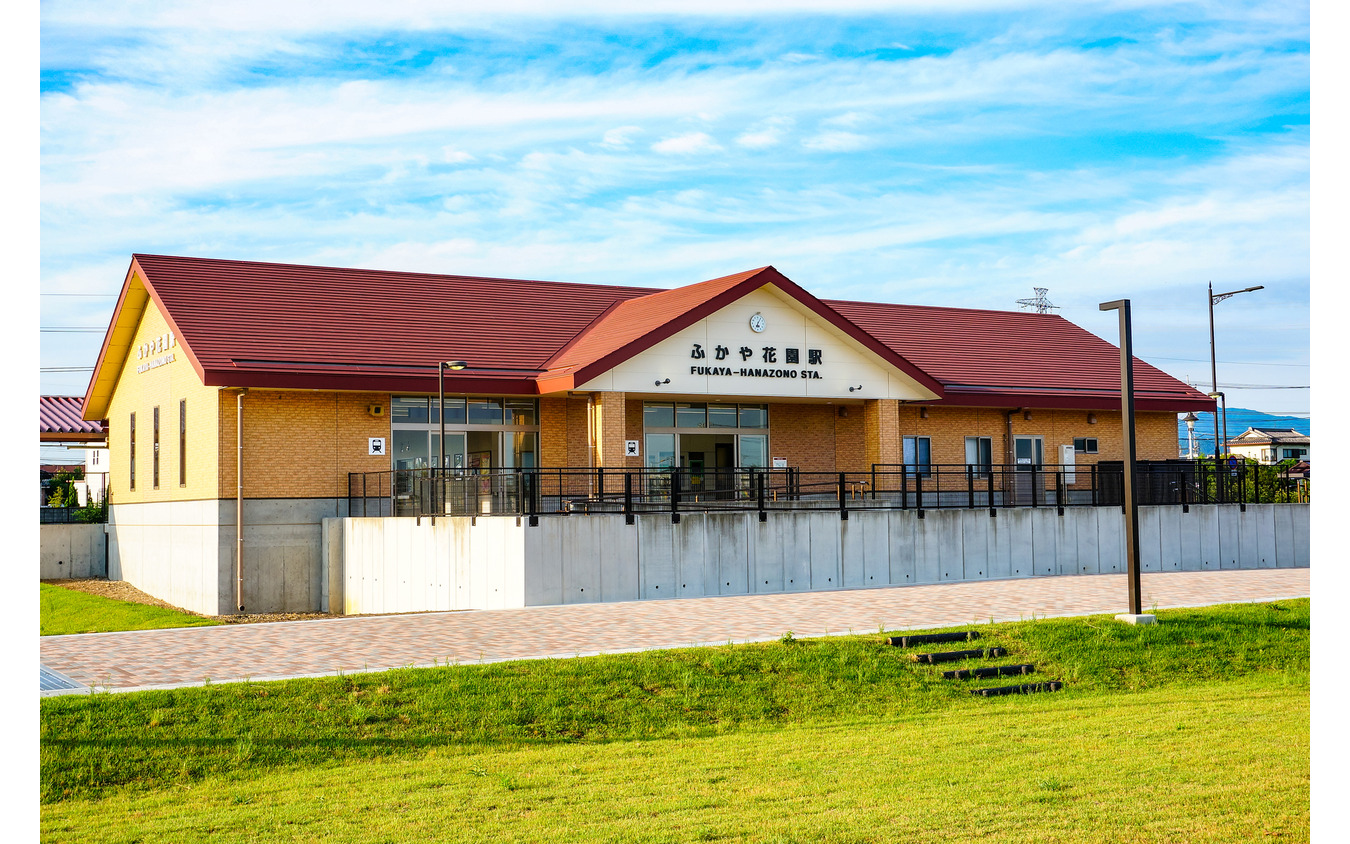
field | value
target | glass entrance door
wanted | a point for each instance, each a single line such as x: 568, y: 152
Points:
x: 1029, y: 455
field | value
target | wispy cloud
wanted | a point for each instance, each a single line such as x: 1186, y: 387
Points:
x: 942, y: 154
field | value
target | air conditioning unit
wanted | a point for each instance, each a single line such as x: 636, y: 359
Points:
x: 376, y: 409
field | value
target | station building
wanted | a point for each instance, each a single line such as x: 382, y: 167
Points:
x: 228, y: 386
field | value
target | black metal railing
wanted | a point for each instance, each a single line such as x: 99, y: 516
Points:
x: 538, y: 491
x: 71, y: 515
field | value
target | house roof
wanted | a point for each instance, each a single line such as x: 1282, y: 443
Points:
x: 59, y: 421
x: 1271, y: 436
x: 251, y: 324
x: 989, y: 358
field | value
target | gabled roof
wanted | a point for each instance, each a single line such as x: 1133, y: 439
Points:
x: 59, y: 421
x: 1271, y: 436
x: 251, y: 324
x: 998, y: 358
x: 633, y: 325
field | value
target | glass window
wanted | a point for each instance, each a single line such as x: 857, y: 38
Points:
x: 754, y: 416
x: 485, y: 411
x: 658, y: 415
x: 1085, y: 445
x: 722, y: 416
x: 406, y: 409
x: 754, y: 451
x: 154, y: 452
x: 410, y: 450
x: 917, y: 456
x: 454, y: 411
x: 691, y: 415
x: 980, y: 454
x: 182, y: 443
x: 522, y: 451
x: 660, y: 451
x: 521, y: 411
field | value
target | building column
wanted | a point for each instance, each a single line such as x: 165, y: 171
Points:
x: 608, y: 431
x: 881, y: 429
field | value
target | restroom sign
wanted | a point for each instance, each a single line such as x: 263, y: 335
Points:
x: 377, y: 446
x: 630, y: 448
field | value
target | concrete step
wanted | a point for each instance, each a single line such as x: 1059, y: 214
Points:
x: 991, y: 671
x: 1024, y: 689
x: 932, y: 638
x: 953, y: 656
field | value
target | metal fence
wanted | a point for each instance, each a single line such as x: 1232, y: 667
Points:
x: 538, y: 491
x: 66, y: 516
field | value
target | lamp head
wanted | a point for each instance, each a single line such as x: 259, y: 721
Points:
x: 455, y: 364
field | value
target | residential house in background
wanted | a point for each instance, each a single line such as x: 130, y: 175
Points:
x: 1269, y: 446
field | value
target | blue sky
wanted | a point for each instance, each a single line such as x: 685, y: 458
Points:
x: 952, y: 154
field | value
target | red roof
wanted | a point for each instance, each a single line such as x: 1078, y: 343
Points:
x: 59, y: 420
x: 243, y: 323
x: 987, y: 358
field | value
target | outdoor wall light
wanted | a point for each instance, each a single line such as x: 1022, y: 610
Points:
x: 1092, y: 419
x: 855, y: 389
x: 1026, y: 414
x: 659, y: 383
x: 923, y: 413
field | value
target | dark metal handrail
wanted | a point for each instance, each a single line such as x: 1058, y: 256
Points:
x: 532, y: 492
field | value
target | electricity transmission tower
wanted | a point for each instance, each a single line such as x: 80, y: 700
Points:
x: 1040, y: 303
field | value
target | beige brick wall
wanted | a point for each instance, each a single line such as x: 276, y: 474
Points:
x: 805, y: 435
x: 163, y: 387
x: 300, y: 444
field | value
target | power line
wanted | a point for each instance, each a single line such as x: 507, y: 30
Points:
x: 1233, y: 362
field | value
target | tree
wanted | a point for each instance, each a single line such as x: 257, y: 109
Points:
x: 62, y: 488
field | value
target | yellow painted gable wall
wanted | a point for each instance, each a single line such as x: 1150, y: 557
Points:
x: 164, y: 387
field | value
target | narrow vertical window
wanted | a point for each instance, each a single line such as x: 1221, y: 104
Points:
x: 132, y: 462
x: 154, y: 452
x: 916, y: 454
x: 182, y: 442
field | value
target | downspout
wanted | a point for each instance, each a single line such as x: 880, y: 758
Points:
x: 239, y: 499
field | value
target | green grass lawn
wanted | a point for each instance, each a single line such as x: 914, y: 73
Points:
x: 70, y: 611
x: 1196, y: 729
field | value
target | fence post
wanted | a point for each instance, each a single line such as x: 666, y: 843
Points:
x: 843, y: 497
x: 675, y: 496
x: 904, y: 488
x: 874, y: 482
x: 628, y: 498
x: 918, y: 492
x: 1059, y: 490
x: 970, y: 486
x: 759, y: 495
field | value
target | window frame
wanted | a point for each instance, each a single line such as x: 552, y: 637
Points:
x: 918, y: 468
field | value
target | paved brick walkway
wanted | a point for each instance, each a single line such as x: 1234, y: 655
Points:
x: 190, y: 656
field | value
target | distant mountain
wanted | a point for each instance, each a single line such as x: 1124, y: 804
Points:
x: 1239, y: 420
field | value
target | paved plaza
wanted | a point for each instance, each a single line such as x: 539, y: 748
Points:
x: 192, y: 656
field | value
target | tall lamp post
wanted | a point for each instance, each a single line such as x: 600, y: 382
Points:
x: 1136, y: 614
x: 441, y: 366
x: 1214, y: 299
x: 1190, y: 419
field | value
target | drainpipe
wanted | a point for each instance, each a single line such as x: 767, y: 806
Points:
x: 239, y: 499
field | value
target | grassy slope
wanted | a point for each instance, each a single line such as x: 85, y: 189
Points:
x: 95, y: 745
x: 69, y: 611
x: 1212, y: 761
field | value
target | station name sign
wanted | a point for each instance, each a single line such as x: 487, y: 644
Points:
x: 767, y: 354
x: 158, y: 350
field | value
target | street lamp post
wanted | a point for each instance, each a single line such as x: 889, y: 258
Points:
x: 441, y: 366
x: 1136, y: 614
x: 1190, y: 419
x: 1214, y: 299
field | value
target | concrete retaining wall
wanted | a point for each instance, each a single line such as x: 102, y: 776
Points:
x: 73, y: 551
x: 184, y: 552
x: 399, y: 565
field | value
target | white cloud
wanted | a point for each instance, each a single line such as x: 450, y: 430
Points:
x: 835, y: 142
x: 621, y: 137
x: 766, y: 134
x: 690, y: 143
x: 450, y: 155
